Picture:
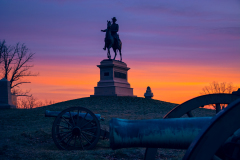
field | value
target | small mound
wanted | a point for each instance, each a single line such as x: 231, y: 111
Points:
x: 115, y: 105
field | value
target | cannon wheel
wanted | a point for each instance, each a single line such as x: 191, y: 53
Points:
x: 222, y: 126
x: 188, y: 106
x: 76, y: 132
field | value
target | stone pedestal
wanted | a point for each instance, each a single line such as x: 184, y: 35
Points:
x: 113, y: 79
x: 5, y: 95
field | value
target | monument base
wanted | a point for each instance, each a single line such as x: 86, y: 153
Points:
x: 112, y: 91
x: 113, y: 79
x: 5, y: 95
x: 7, y: 106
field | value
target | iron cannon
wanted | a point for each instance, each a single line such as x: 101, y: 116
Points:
x: 79, y: 128
x: 174, y: 133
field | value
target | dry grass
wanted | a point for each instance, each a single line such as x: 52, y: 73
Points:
x: 26, y: 133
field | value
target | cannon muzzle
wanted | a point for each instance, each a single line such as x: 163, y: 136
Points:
x: 67, y: 115
x: 177, y: 133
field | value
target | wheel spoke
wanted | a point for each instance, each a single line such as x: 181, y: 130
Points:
x: 72, y: 118
x: 69, y: 140
x: 63, y: 127
x: 66, y: 136
x: 86, y: 123
x: 67, y: 121
x: 89, y: 134
x: 83, y: 117
x: 86, y: 138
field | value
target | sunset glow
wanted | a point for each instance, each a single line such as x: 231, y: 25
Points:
x: 175, y: 48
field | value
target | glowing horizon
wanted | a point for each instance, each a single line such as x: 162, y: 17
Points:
x: 174, y: 47
x: 174, y: 84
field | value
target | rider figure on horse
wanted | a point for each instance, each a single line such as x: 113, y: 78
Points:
x: 114, y: 30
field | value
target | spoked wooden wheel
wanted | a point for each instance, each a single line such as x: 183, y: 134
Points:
x: 214, y: 136
x: 76, y: 128
x: 188, y: 106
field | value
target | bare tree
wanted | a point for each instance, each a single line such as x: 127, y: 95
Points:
x: 15, y: 64
x: 32, y: 102
x: 216, y: 87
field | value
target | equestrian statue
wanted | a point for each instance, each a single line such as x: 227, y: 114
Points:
x: 112, y: 39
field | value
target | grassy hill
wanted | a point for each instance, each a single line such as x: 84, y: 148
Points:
x: 26, y: 133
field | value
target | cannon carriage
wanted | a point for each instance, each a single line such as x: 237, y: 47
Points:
x: 76, y: 128
x: 79, y: 128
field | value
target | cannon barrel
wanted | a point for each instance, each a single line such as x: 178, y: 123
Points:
x: 67, y: 115
x: 175, y: 133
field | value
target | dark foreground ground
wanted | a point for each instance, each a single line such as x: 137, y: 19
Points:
x: 26, y: 133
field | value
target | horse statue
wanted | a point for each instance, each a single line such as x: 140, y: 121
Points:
x: 111, y: 42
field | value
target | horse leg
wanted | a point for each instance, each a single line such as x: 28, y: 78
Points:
x: 120, y: 50
x: 109, y: 55
x: 115, y: 51
x: 120, y: 55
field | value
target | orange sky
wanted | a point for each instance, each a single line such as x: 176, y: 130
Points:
x: 172, y: 83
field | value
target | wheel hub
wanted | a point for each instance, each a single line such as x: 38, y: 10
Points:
x: 76, y: 131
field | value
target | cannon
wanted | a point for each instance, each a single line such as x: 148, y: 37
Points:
x: 189, y: 106
x: 79, y: 128
x: 204, y: 137
x: 174, y: 133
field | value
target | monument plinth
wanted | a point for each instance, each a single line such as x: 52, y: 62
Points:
x: 113, y: 79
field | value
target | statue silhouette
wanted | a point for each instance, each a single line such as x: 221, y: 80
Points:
x: 112, y: 39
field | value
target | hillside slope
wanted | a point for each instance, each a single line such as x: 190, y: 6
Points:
x: 26, y: 133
